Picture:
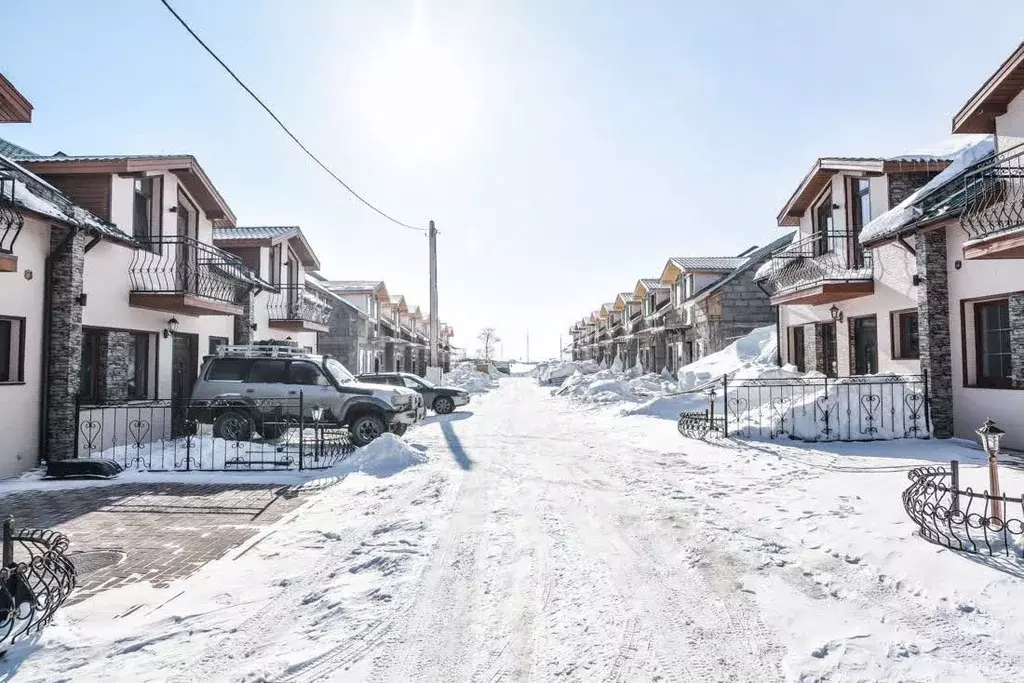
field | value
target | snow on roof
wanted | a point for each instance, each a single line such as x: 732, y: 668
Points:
x: 352, y: 286
x: 893, y: 221
x: 254, y: 232
x: 35, y: 194
x: 722, y: 264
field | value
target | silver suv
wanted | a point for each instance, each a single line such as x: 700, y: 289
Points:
x: 239, y: 385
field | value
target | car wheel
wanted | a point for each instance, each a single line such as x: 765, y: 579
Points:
x: 366, y: 428
x: 233, y: 425
x: 272, y: 430
x: 443, y: 405
x: 399, y: 429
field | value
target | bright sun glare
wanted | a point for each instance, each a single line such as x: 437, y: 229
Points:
x: 418, y: 100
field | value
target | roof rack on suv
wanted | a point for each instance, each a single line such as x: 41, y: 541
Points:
x: 261, y: 351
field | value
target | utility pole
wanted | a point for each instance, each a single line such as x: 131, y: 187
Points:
x: 434, y: 320
x: 527, y: 346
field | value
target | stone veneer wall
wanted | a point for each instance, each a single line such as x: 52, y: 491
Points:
x: 902, y: 185
x: 244, y: 333
x: 1017, y: 339
x: 933, y: 328
x: 64, y: 343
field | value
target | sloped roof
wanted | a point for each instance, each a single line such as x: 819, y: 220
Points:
x: 13, y: 151
x: 185, y: 166
x: 267, y: 235
x: 34, y: 194
x: 708, y: 263
x: 650, y: 284
x: 14, y: 108
x: 756, y: 258
x: 978, y: 115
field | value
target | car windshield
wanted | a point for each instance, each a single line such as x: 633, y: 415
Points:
x: 339, y: 371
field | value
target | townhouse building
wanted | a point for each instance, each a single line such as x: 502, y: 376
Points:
x: 289, y: 304
x: 965, y: 233
x: 844, y: 309
x: 714, y: 301
x: 354, y: 330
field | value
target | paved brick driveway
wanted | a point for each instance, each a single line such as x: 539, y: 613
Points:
x: 156, y: 532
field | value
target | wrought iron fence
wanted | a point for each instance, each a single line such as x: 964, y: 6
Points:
x: 35, y: 580
x: 186, y: 434
x: 298, y: 302
x: 175, y: 264
x: 963, y: 519
x: 863, y: 408
x: 11, y: 218
x: 825, y: 256
x: 699, y: 424
x: 993, y: 194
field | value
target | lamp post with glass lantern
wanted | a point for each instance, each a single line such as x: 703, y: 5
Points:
x: 990, y: 436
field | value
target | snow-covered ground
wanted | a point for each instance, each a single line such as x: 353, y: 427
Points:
x: 466, y: 376
x: 535, y: 539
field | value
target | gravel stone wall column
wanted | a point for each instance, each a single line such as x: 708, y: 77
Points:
x: 1017, y: 339
x: 933, y: 328
x: 115, y: 348
x: 244, y: 333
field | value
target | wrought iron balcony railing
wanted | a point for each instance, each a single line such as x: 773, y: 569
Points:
x: 993, y: 195
x: 299, y: 303
x: 817, y: 259
x: 176, y: 264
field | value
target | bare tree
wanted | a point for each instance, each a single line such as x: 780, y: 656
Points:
x: 488, y: 340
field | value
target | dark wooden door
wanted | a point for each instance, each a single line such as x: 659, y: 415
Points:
x: 829, y: 351
x: 184, y: 364
x: 796, y: 351
x: 865, y: 346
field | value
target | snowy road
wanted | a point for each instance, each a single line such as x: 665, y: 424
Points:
x: 545, y: 541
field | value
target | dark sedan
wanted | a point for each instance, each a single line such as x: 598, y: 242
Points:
x: 442, y: 400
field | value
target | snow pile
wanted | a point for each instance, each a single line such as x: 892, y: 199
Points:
x: 608, y: 386
x: 466, y: 376
x: 556, y: 372
x: 385, y: 456
x: 751, y: 355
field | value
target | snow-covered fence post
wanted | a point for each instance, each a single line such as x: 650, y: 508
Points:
x: 927, y: 406
x: 954, y: 468
x: 725, y: 405
x: 302, y: 425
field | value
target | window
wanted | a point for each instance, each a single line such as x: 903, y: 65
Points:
x: 823, y: 225
x: 306, y: 374
x: 905, y: 341
x: 12, y: 350
x: 688, y: 285
x: 860, y: 215
x: 267, y: 371
x: 412, y: 383
x: 138, y: 365
x: 275, y: 265
x: 216, y: 343
x: 228, y: 369
x: 992, y: 343
x: 146, y: 203
x: 796, y: 348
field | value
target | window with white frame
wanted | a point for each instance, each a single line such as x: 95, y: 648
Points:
x: 12, y: 350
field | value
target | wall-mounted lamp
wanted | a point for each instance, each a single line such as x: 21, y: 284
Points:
x: 82, y: 299
x: 172, y: 327
x: 837, y: 315
x: 253, y: 327
x: 958, y: 264
x: 915, y: 280
x: 836, y: 207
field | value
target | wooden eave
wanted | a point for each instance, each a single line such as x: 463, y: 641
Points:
x: 814, y: 183
x: 979, y: 114
x: 824, y: 293
x: 14, y: 108
x: 188, y: 170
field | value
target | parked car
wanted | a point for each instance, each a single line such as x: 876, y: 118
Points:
x: 503, y: 366
x: 442, y: 400
x: 236, y: 388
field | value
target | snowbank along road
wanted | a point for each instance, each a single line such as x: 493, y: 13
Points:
x: 545, y: 541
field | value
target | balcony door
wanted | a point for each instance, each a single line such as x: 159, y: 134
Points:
x: 186, y: 245
x: 291, y: 274
x: 829, y: 351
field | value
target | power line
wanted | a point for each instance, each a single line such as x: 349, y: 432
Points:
x: 281, y: 124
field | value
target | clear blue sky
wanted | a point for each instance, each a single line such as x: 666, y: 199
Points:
x: 564, y: 147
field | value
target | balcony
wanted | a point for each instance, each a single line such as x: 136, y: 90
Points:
x: 993, y: 200
x: 11, y: 222
x: 297, y: 308
x: 820, y: 268
x: 179, y: 274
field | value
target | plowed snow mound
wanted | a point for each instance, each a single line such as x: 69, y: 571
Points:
x: 385, y: 456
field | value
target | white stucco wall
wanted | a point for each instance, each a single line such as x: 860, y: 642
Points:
x: 19, y: 403
x: 1010, y: 126
x: 894, y: 268
x: 971, y: 406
